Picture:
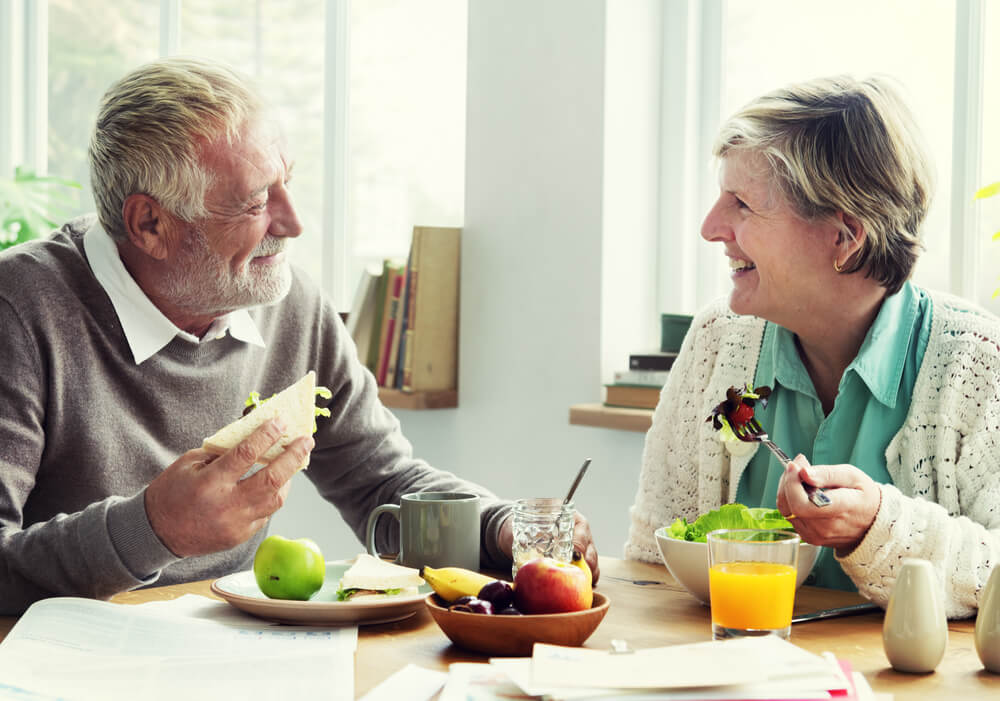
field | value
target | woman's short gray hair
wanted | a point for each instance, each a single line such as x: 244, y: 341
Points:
x: 150, y: 130
x: 844, y: 145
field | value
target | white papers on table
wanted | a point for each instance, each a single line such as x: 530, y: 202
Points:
x: 716, y: 663
x: 753, y: 668
x: 412, y: 683
x: 201, y: 607
x: 473, y: 681
x: 84, y: 649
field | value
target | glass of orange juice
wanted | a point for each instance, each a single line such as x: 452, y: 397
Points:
x: 751, y: 581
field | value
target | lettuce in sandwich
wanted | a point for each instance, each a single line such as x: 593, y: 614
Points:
x: 371, y: 576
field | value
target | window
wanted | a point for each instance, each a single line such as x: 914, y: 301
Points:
x: 748, y: 49
x: 280, y: 44
x: 402, y: 158
x: 850, y: 37
x: 403, y: 87
x: 84, y: 58
x: 989, y: 250
x: 406, y: 127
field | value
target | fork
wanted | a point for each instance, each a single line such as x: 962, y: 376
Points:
x: 753, y: 432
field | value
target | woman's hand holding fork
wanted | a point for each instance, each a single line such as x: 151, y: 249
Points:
x: 842, y: 524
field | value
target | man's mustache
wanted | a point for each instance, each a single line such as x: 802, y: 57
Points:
x: 270, y: 246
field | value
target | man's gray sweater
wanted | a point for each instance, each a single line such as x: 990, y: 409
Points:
x: 83, y: 429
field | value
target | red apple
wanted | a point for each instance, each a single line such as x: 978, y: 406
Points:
x: 545, y: 585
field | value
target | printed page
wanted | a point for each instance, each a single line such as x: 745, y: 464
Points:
x: 86, y: 649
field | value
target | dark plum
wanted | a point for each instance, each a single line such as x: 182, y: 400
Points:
x: 473, y: 606
x: 480, y: 606
x: 509, y: 611
x: 498, y: 593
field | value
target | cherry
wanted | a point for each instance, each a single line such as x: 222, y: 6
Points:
x: 741, y: 415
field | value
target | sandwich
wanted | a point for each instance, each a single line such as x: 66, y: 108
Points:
x: 370, y: 577
x: 296, y: 405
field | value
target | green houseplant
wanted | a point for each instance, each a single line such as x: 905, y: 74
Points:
x: 31, y: 204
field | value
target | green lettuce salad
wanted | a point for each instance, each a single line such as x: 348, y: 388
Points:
x: 727, y: 516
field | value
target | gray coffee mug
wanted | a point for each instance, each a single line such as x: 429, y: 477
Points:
x: 438, y: 529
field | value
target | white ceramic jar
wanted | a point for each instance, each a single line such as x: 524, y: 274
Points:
x: 988, y: 624
x: 915, y: 630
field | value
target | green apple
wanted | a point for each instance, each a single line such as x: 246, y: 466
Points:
x: 288, y: 569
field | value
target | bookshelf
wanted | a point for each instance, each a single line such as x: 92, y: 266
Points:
x: 405, y: 322
x: 429, y: 399
x: 601, y: 416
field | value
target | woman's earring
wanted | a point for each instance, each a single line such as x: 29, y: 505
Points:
x: 837, y: 266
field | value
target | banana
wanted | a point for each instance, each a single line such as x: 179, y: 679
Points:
x: 451, y: 583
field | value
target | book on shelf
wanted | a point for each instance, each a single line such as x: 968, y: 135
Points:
x: 396, y: 337
x: 389, y: 322
x: 374, y: 343
x: 632, y: 396
x: 409, y: 291
x: 430, y: 353
x: 651, y: 361
x: 361, y: 318
x: 647, y: 378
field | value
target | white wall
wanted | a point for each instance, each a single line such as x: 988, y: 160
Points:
x: 532, y: 277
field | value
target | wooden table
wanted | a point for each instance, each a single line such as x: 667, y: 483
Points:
x: 649, y: 610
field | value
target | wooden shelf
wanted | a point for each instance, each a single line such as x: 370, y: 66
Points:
x: 611, y: 417
x: 437, y: 399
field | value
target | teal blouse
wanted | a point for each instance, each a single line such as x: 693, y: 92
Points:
x: 872, y: 402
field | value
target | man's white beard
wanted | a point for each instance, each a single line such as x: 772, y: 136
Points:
x: 201, y: 281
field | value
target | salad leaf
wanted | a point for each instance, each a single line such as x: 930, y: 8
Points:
x: 727, y: 516
x: 770, y: 519
x: 347, y: 594
x: 254, y: 401
x: 679, y: 529
x: 319, y: 411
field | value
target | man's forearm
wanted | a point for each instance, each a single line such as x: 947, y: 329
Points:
x: 69, y: 555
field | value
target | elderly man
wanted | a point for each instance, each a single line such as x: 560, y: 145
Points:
x: 128, y: 339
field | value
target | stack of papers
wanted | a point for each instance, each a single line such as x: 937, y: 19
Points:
x: 750, y: 668
x: 189, y: 648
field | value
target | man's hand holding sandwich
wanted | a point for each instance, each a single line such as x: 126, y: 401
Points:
x: 200, y: 504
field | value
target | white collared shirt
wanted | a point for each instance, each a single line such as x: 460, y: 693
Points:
x: 146, y: 328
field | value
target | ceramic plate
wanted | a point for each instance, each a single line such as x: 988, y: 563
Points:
x: 241, y: 590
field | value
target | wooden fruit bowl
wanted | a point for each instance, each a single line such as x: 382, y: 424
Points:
x: 514, y: 636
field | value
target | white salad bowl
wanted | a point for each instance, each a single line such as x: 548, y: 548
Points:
x: 687, y: 562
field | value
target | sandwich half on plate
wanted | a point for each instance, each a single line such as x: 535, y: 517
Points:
x: 296, y: 405
x: 371, y: 577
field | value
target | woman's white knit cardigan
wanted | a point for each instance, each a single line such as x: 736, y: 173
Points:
x: 944, y: 503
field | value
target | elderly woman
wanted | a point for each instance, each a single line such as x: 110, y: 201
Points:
x: 888, y: 394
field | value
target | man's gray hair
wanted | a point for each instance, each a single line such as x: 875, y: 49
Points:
x: 844, y: 145
x: 151, y: 128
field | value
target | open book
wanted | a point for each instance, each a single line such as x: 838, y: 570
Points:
x: 83, y: 649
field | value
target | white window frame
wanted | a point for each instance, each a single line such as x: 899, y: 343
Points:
x: 967, y: 145
x: 687, y: 268
x: 335, y: 248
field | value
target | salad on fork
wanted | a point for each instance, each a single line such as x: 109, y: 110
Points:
x: 735, y: 419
